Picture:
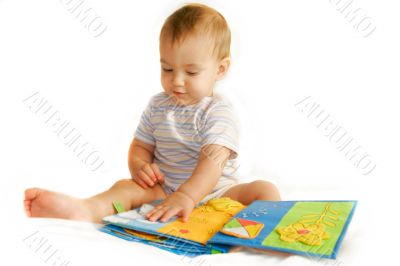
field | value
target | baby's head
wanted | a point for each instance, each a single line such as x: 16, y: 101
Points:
x: 194, y: 52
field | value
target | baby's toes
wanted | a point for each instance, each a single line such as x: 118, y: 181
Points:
x: 32, y: 193
x: 27, y: 207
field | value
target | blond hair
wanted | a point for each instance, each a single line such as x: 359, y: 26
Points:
x: 198, y: 19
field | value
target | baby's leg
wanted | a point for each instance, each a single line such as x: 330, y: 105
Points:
x: 43, y: 203
x: 246, y: 193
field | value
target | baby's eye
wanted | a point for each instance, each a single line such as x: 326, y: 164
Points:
x: 167, y: 69
x: 192, y: 73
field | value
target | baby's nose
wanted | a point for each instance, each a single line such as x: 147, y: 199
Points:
x: 178, y: 80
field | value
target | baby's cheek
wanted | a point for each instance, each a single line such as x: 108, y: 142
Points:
x: 199, y: 91
x: 165, y: 83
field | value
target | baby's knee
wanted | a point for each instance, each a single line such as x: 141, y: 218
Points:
x: 265, y: 190
x: 122, y: 183
x: 263, y: 185
x: 127, y: 186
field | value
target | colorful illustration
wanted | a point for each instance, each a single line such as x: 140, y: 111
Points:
x: 242, y: 228
x: 312, y: 234
x: 312, y: 228
x: 205, y: 221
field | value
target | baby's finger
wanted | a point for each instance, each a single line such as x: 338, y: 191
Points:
x: 145, y: 178
x: 149, y: 172
x: 185, y: 215
x: 158, y: 213
x: 156, y: 208
x: 169, y: 213
x: 140, y: 183
x: 159, y: 174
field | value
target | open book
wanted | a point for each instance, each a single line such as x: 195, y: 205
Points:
x: 311, y: 228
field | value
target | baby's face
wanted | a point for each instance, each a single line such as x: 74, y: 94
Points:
x: 189, y: 69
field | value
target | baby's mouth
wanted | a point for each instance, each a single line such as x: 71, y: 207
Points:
x: 179, y: 94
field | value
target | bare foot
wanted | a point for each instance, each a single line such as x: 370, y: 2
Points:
x: 44, y: 203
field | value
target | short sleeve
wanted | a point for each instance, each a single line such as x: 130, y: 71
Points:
x: 221, y: 127
x: 145, y: 129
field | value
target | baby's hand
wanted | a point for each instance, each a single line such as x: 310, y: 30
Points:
x: 177, y: 203
x: 148, y: 175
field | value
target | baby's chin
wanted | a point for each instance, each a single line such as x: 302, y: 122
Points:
x: 184, y: 100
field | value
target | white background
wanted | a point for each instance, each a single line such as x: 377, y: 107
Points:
x: 282, y: 52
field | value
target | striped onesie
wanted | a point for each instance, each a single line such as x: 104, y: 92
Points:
x: 178, y: 133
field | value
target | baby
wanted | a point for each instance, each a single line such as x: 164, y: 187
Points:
x: 185, y: 147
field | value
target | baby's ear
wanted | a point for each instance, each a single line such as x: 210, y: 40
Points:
x: 223, y: 67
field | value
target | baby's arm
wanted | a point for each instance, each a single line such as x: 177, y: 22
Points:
x: 141, y: 166
x: 205, y: 176
x: 207, y: 172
